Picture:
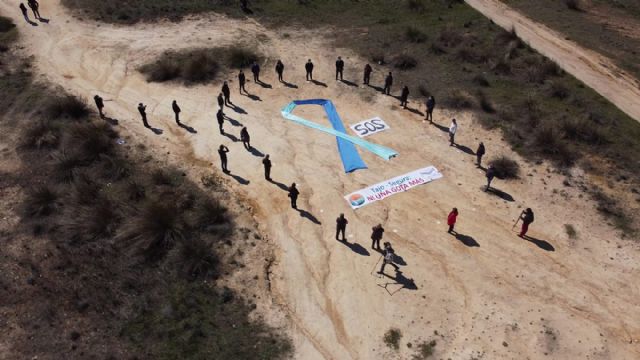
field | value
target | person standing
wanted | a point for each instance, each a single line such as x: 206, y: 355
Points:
x: 267, y: 167
x: 527, y: 219
x: 479, y: 154
x: 220, y: 117
x: 367, y: 74
x: 176, y: 110
x: 241, y: 81
x: 431, y: 104
x: 280, y: 70
x: 142, y: 109
x: 491, y: 173
x: 255, y: 69
x: 246, y: 139
x: 226, y: 93
x: 222, y: 151
x: 25, y: 12
x: 220, y: 101
x: 453, y: 128
x: 309, y: 68
x: 33, y: 4
x: 99, y: 104
x: 388, y: 81
x: 341, y: 227
x: 293, y: 195
x: 376, y: 236
x: 404, y: 96
x: 339, y: 67
x: 388, y: 259
x: 451, y: 220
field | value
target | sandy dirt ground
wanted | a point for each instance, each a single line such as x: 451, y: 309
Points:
x: 595, y: 70
x: 505, y: 298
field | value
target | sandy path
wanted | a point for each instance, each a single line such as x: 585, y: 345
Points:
x: 590, y: 67
x: 579, y: 301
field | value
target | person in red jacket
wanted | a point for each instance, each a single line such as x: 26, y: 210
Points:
x: 451, y: 220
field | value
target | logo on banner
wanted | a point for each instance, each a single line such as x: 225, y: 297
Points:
x: 369, y: 127
x: 356, y: 199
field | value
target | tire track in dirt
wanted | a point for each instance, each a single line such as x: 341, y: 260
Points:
x: 590, y: 67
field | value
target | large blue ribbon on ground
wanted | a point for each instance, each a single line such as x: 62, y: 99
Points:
x: 351, y: 160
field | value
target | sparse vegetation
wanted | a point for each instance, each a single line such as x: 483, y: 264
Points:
x: 506, y: 168
x: 571, y: 231
x: 415, y: 35
x: 425, y: 350
x: 392, y: 338
x: 405, y: 62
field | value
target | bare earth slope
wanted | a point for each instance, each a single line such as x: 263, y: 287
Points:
x: 595, y: 70
x: 505, y: 299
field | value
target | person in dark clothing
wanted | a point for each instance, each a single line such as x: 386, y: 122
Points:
x: 404, y: 96
x: 33, y: 4
x: 220, y: 101
x: 241, y: 81
x: 222, y: 151
x: 309, y: 68
x: 143, y: 112
x: 280, y: 70
x: 220, y: 117
x: 339, y: 67
x: 527, y: 219
x: 341, y: 227
x: 25, y: 12
x: 226, y: 93
x: 451, y: 220
x: 367, y: 74
x: 376, y: 236
x: 491, y: 173
x: 246, y: 139
x: 388, y: 81
x: 388, y: 259
x: 176, y: 110
x: 293, y: 195
x: 267, y: 167
x: 99, y: 105
x: 479, y: 154
x: 255, y: 69
x: 431, y: 104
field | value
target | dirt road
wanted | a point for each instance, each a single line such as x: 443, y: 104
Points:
x: 595, y: 70
x: 485, y: 294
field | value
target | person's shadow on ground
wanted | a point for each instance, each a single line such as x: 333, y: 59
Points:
x: 319, y: 83
x: 110, y: 120
x: 415, y: 111
x: 255, y: 152
x: 156, y: 130
x: 188, y: 128
x: 237, y: 109
x: 467, y: 240
x: 350, y: 83
x: 282, y: 186
x: 290, y: 85
x: 400, y: 279
x: 441, y: 128
x: 355, y: 247
x: 231, y: 137
x: 44, y: 20
x: 499, y: 193
x: 233, y: 122
x: 542, y: 244
x: 254, y: 97
x: 264, y: 85
x: 463, y: 148
x: 307, y: 215
x: 238, y: 178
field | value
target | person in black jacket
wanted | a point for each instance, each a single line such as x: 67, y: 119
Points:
x: 339, y: 67
x: 309, y: 68
x: 388, y: 259
x: 220, y: 101
x: 99, y: 105
x: 431, y: 104
x: 33, y: 4
x: 142, y: 109
x: 367, y: 74
x: 479, y: 154
x: 280, y: 70
x: 246, y: 139
x: 241, y: 81
x: 267, y: 167
x: 341, y: 227
x: 388, y: 81
x: 491, y: 173
x: 222, y: 151
x: 220, y: 118
x: 255, y: 69
x: 376, y: 236
x: 293, y: 195
x: 404, y: 96
x: 226, y: 93
x: 176, y: 110
x: 25, y: 13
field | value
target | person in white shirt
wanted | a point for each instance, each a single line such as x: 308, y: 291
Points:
x: 452, y: 131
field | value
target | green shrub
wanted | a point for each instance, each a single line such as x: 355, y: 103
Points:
x: 405, y: 62
x: 459, y: 100
x: 506, y: 168
x: 41, y: 201
x: 415, y: 35
x: 392, y: 338
x: 67, y: 106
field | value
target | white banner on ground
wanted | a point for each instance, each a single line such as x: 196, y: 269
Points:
x: 369, y: 127
x: 393, y: 186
